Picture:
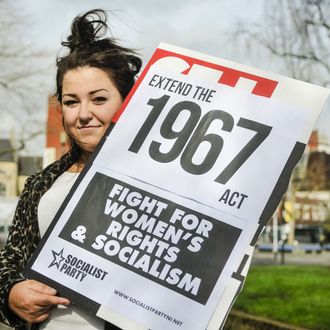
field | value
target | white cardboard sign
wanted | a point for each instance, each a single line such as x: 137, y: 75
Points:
x: 159, y: 229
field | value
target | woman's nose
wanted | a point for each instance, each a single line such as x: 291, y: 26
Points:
x: 85, y: 114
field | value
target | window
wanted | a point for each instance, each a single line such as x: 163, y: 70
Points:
x: 2, y: 189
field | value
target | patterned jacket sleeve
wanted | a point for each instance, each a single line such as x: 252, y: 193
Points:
x: 22, y: 241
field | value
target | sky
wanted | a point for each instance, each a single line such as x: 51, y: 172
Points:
x: 204, y: 26
x: 144, y: 23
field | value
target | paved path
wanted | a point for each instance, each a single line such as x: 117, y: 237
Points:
x: 295, y: 258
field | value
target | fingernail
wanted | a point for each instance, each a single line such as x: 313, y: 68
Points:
x: 52, y: 291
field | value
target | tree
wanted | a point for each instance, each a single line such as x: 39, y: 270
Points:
x: 297, y: 33
x: 23, y: 95
x: 294, y: 36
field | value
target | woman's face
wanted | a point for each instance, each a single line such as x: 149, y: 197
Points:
x: 89, y: 101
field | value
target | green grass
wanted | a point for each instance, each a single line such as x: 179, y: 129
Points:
x: 297, y: 295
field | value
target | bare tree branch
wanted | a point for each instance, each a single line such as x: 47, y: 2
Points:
x: 298, y: 34
x: 23, y: 93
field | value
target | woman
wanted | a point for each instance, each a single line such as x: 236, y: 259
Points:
x: 92, y: 81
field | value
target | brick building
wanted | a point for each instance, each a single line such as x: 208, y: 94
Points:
x: 56, y: 137
x: 8, y: 169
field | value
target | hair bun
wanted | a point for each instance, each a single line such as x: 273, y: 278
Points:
x: 86, y: 29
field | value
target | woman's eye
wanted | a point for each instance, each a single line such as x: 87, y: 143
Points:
x: 69, y: 103
x: 100, y: 100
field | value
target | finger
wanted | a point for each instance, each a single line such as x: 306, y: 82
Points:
x: 46, y: 300
x: 40, y: 311
x: 41, y: 287
x: 39, y: 301
x: 36, y: 316
x: 40, y: 318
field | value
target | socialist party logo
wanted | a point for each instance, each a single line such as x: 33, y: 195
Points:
x: 75, y: 267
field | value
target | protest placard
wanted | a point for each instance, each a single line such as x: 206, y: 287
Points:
x: 160, y: 227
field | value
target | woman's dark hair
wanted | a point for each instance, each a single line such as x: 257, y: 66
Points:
x: 89, y: 46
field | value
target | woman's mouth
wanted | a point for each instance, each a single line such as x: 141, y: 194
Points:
x: 89, y: 126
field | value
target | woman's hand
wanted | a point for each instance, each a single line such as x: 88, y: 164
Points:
x: 32, y: 300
